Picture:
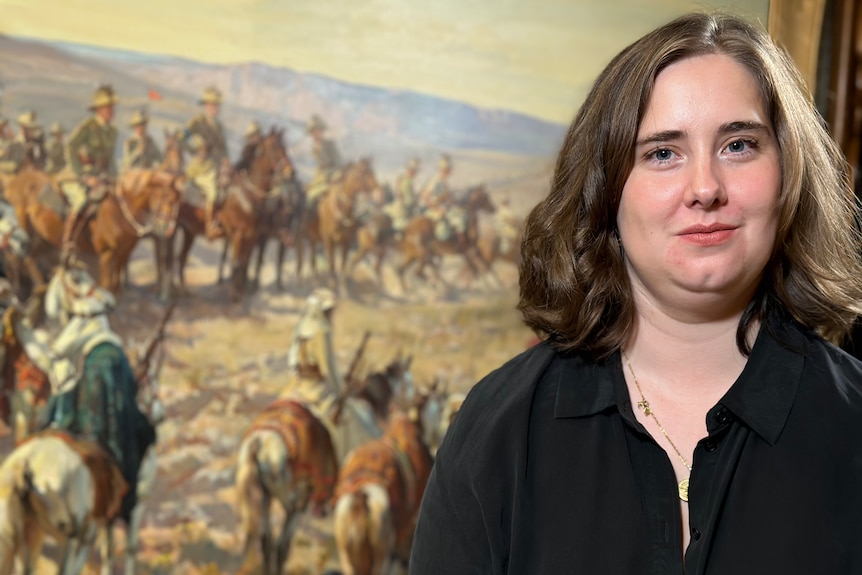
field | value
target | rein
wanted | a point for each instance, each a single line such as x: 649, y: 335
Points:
x: 144, y: 229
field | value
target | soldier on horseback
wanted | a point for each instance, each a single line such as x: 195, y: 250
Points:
x: 404, y: 205
x: 327, y: 157
x: 507, y: 226
x: 26, y: 146
x: 92, y: 166
x: 140, y: 151
x: 56, y: 150
x: 208, y: 128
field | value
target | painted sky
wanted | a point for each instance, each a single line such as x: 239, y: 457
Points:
x: 532, y: 56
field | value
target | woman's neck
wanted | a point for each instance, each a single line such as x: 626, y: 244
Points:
x: 691, y: 360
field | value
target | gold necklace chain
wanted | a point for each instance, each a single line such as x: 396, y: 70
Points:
x: 643, y: 405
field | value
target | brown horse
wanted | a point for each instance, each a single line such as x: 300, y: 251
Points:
x: 373, y: 237
x: 286, y: 455
x: 246, y: 214
x: 421, y: 245
x: 333, y: 222
x: 377, y: 497
x: 143, y: 202
x: 172, y: 163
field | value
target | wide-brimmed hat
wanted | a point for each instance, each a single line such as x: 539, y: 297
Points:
x: 253, y: 129
x: 103, y: 96
x: 315, y: 123
x: 28, y: 119
x: 139, y: 117
x: 212, y: 95
x: 56, y: 128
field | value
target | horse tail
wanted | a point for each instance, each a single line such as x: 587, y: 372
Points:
x: 353, y: 532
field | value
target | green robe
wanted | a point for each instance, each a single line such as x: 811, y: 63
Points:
x: 102, y: 408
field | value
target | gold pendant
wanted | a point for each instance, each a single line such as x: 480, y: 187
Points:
x: 683, y: 490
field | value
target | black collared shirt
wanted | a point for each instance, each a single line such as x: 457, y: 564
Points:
x: 547, y: 471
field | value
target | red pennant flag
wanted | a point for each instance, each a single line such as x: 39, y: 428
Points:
x: 154, y: 95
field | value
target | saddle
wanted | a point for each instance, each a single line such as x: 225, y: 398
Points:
x: 110, y: 486
x: 311, y: 454
x: 51, y: 197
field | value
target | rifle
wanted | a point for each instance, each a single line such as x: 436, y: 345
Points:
x: 349, y: 380
x: 142, y: 367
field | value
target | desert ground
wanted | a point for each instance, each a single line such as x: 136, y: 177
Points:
x: 225, y: 362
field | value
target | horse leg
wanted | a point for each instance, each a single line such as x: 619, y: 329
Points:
x: 222, y: 262
x: 182, y: 258
x: 107, y: 549
x: 266, y: 543
x: 79, y: 550
x: 165, y: 265
x: 378, y: 265
x: 261, y: 249
x: 288, y: 528
x: 279, y: 261
x: 107, y: 262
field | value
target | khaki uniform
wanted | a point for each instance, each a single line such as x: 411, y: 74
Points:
x: 436, y: 189
x: 56, y: 157
x: 90, y: 152
x: 329, y: 166
x: 13, y: 156
x: 206, y: 172
x: 141, y: 153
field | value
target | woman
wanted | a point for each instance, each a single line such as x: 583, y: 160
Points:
x: 685, y: 413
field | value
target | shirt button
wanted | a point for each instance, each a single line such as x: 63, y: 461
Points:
x: 723, y: 416
x: 709, y: 445
x: 695, y: 533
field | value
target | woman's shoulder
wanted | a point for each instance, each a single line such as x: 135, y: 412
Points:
x: 496, y: 410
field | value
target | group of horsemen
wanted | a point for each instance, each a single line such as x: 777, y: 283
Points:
x: 82, y: 355
x: 85, y: 166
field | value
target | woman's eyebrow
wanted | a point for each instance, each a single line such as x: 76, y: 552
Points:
x: 724, y: 129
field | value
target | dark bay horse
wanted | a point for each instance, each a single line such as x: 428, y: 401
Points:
x: 247, y: 212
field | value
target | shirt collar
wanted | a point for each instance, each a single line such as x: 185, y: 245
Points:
x: 761, y: 397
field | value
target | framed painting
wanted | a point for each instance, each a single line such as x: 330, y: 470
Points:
x: 280, y: 212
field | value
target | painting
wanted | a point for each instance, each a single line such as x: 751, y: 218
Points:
x: 295, y: 220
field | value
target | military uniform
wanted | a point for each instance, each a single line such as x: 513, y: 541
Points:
x: 210, y: 131
x: 140, y: 151
x: 314, y: 378
x: 15, y: 152
x: 403, y: 206
x: 328, y: 160
x: 56, y: 151
x: 436, y: 188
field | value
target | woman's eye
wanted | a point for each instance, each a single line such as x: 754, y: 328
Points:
x: 662, y: 155
x: 737, y: 146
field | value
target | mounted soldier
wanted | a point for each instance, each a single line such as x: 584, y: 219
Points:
x: 209, y: 128
x: 92, y: 168
x: 94, y: 389
x: 507, y: 225
x: 327, y: 157
x: 139, y: 150
x: 404, y: 205
x: 26, y: 146
x: 56, y: 149
x: 314, y: 377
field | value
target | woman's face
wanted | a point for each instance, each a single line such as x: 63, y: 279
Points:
x: 699, y: 211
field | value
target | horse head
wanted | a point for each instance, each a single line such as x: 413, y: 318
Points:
x: 12, y: 235
x: 479, y: 200
x: 154, y: 202
x: 172, y: 161
x: 266, y: 161
x: 359, y: 177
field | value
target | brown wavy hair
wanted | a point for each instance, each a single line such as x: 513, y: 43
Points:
x: 574, y: 287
